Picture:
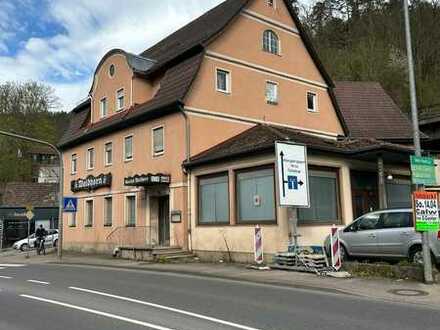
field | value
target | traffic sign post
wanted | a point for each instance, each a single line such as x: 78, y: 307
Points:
x: 29, y: 215
x: 70, y: 204
x: 292, y: 180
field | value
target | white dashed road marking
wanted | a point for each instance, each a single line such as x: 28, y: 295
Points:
x: 170, y: 309
x: 93, y: 311
x: 38, y: 282
x: 6, y: 277
x: 12, y: 265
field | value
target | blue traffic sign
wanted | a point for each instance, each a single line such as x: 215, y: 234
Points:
x: 70, y: 204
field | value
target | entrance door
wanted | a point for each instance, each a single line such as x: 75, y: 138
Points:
x: 164, y: 221
x: 364, y: 192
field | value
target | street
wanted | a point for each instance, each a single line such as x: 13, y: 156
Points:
x: 82, y: 297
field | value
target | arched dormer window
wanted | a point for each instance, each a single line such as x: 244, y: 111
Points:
x: 271, y: 42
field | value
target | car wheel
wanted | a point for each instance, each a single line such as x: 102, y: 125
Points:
x: 344, y: 254
x: 55, y: 243
x: 416, y: 255
x: 24, y: 247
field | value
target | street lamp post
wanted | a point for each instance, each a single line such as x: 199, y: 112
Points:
x: 415, y: 120
x: 61, y: 183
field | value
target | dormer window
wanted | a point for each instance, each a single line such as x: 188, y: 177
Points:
x: 103, y: 107
x: 120, y: 100
x: 271, y: 43
x: 271, y: 3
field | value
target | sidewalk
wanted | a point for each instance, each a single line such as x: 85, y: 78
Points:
x: 369, y: 288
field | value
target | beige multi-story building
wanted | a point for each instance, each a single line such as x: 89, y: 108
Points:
x: 173, y: 145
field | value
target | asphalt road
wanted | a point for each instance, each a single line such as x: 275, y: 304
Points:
x: 42, y: 297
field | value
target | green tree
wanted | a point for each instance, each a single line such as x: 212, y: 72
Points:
x: 26, y: 108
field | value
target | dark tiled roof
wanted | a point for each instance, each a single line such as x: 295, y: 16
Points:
x: 369, y: 112
x: 194, y: 34
x: 173, y: 88
x: 261, y: 138
x: 19, y: 194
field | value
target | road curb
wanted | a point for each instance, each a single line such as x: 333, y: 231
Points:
x: 212, y: 276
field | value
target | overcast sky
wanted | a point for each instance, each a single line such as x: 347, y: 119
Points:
x: 60, y: 42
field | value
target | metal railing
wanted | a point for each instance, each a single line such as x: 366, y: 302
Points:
x: 131, y: 237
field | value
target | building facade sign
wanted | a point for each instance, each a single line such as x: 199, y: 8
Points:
x: 147, y: 180
x: 423, y: 171
x: 91, y: 183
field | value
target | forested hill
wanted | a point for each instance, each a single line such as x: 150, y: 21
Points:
x: 365, y: 40
x: 29, y: 109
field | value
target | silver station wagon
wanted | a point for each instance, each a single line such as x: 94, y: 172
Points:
x: 387, y: 234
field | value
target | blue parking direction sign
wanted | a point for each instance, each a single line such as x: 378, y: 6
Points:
x: 70, y: 204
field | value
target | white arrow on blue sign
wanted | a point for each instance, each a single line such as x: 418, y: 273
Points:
x: 70, y: 204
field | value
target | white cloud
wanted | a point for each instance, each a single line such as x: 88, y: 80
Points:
x: 90, y: 28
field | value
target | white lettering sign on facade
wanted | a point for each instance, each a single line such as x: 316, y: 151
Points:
x: 292, y: 175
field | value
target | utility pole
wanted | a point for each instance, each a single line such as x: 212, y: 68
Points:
x: 61, y: 183
x: 415, y: 120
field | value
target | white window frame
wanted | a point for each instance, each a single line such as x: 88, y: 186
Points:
x: 89, y: 168
x: 105, y: 209
x: 157, y: 154
x: 277, y: 87
x: 118, y: 108
x: 274, y: 3
x: 71, y: 219
x: 132, y: 148
x: 315, y: 103
x: 269, y: 51
x: 105, y: 153
x: 74, y: 169
x: 85, y: 212
x: 228, y: 81
x: 126, y: 196
x: 101, y: 107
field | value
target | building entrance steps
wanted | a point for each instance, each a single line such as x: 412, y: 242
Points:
x: 152, y: 253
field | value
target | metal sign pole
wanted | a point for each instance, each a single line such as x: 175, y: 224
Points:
x: 414, y: 112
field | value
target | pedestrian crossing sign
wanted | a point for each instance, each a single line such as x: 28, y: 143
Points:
x: 70, y: 204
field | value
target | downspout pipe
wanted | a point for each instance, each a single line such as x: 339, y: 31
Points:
x: 187, y: 172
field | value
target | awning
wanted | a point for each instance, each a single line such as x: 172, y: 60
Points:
x: 147, y: 180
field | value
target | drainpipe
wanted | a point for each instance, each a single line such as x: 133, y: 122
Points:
x: 188, y: 173
x: 381, y: 183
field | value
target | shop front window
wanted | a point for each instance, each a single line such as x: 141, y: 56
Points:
x: 398, y: 193
x: 256, y: 196
x: 324, y: 199
x: 214, y: 200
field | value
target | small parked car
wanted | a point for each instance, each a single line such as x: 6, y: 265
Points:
x: 387, y: 234
x: 51, y: 241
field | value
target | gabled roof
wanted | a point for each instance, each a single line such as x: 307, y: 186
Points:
x: 20, y: 194
x: 171, y: 56
x: 173, y: 88
x: 370, y: 112
x: 195, y: 34
x: 261, y: 139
